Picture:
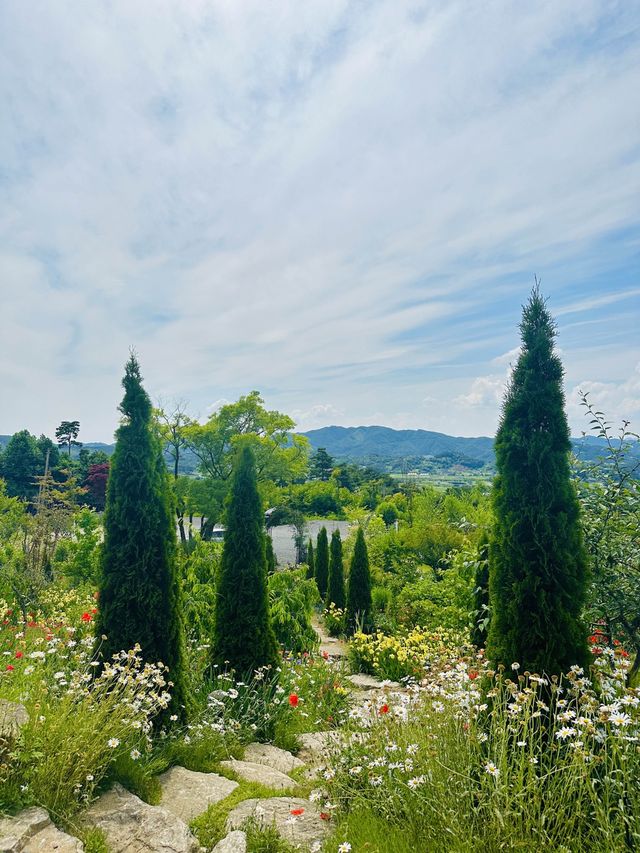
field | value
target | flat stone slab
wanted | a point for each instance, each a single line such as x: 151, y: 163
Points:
x: 272, y: 756
x: 53, y: 839
x: 186, y: 793
x: 13, y: 716
x: 298, y: 829
x: 235, y: 842
x: 368, y: 682
x: 132, y: 826
x: 316, y: 746
x: 260, y: 773
x: 31, y: 831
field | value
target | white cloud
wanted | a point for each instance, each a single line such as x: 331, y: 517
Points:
x: 324, y: 201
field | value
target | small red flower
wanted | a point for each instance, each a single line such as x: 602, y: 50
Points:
x: 9, y: 668
x: 384, y: 709
x: 296, y: 812
x: 94, y: 610
x: 86, y: 617
x: 325, y: 655
x: 19, y: 654
x: 473, y: 674
x: 325, y: 816
x: 32, y: 624
x: 293, y: 700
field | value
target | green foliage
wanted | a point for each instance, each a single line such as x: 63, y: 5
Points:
x: 280, y: 454
x: 243, y: 637
x: 322, y: 562
x: 67, y: 433
x: 480, y: 612
x: 359, y: 616
x: 440, y: 596
x: 291, y: 600
x: 321, y: 464
x: 335, y: 584
x: 609, y: 492
x: 270, y: 555
x: 78, y: 558
x: 140, y: 596
x: 22, y: 463
x: 537, y: 563
x: 199, y: 567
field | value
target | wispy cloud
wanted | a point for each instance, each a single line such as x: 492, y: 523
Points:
x: 329, y: 202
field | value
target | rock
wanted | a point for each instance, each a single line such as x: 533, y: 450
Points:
x: 13, y: 716
x: 31, y: 831
x: 368, y: 682
x: 131, y: 826
x: 16, y: 831
x: 260, y: 773
x: 272, y: 756
x: 316, y: 746
x: 53, y: 839
x: 235, y: 842
x: 187, y: 794
x: 303, y: 829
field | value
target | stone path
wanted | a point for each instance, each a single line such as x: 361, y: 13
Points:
x: 133, y: 826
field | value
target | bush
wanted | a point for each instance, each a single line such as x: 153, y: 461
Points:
x: 291, y: 600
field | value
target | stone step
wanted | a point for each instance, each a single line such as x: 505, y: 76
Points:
x: 235, y: 842
x: 316, y: 746
x: 132, y: 826
x: 272, y: 756
x: 187, y: 793
x: 361, y: 681
x: 31, y: 831
x: 297, y: 821
x: 260, y: 773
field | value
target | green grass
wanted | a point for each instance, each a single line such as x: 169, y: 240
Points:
x: 210, y: 827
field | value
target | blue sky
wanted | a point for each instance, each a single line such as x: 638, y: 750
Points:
x: 341, y: 204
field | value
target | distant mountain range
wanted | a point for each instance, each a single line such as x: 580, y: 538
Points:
x: 405, y: 449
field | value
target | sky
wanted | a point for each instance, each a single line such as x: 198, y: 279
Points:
x: 340, y: 204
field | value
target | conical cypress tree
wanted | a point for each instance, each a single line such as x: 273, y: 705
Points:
x: 335, y: 585
x: 310, y: 563
x: 322, y: 562
x: 139, y: 590
x: 269, y: 555
x: 243, y: 637
x: 537, y: 574
x: 359, y: 589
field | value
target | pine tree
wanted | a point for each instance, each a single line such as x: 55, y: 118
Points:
x: 335, y: 586
x: 359, y: 589
x: 537, y: 575
x: 310, y: 563
x: 139, y: 589
x: 243, y: 638
x: 322, y: 562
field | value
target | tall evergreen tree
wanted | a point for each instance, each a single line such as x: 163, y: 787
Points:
x: 322, y: 562
x: 335, y: 585
x: 310, y: 562
x: 269, y: 554
x: 537, y: 574
x: 139, y: 589
x: 243, y: 638
x: 359, y: 588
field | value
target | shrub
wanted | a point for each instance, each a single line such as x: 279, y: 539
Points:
x: 291, y: 600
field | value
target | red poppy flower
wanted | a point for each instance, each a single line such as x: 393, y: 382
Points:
x: 325, y: 655
x: 473, y: 674
x: 19, y: 654
x: 32, y: 624
x: 86, y: 617
x: 293, y: 700
x: 9, y: 668
x: 94, y: 610
x: 325, y: 816
x: 296, y: 812
x: 384, y: 709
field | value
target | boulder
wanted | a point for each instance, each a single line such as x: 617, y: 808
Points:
x: 31, y: 831
x: 13, y: 716
x: 260, y: 773
x: 296, y: 820
x: 316, y: 746
x: 187, y: 794
x: 272, y: 756
x: 235, y: 842
x: 132, y: 826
